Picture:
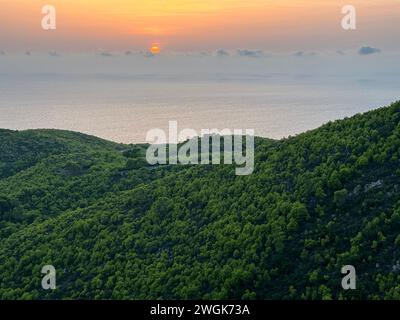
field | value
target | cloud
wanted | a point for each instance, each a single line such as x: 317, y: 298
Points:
x: 133, y: 52
x: 368, y: 50
x: 222, y: 53
x: 144, y: 53
x: 303, y: 54
x: 54, y: 54
x: 250, y: 53
x: 28, y: 53
x: 2, y: 53
x: 340, y: 53
x: 205, y: 53
x: 106, y: 54
x: 149, y: 54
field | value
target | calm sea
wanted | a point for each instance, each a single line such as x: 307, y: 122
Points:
x: 124, y: 108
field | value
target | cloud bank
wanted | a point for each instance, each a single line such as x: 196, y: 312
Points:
x: 363, y: 51
x: 251, y: 53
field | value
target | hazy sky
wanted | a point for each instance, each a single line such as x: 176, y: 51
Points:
x: 194, y: 25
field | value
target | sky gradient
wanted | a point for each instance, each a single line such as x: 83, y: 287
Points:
x: 193, y: 25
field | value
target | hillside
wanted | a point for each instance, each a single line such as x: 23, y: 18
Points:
x: 115, y: 227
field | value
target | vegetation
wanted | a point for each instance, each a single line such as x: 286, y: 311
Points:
x: 117, y: 228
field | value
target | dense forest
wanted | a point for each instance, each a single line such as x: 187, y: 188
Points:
x: 115, y: 227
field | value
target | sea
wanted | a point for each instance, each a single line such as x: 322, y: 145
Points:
x: 125, y: 107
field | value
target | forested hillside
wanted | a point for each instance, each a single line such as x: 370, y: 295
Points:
x: 116, y: 228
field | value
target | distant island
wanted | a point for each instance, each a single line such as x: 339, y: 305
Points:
x: 115, y: 227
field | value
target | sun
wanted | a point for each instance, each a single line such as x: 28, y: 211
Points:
x: 155, y: 48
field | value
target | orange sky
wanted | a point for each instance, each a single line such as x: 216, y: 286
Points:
x: 196, y: 24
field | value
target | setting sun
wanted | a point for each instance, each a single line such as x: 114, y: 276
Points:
x: 155, y: 49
